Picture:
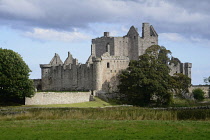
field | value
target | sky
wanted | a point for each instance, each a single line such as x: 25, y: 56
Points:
x: 37, y: 29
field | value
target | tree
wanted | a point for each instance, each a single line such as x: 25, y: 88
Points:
x: 180, y: 84
x: 15, y: 84
x: 198, y: 94
x: 147, y: 80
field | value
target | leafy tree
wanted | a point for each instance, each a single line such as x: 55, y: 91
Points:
x: 15, y: 84
x: 180, y: 84
x: 198, y: 94
x: 147, y: 80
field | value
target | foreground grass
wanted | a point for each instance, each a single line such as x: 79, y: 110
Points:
x: 62, y: 122
x: 109, y: 113
x: 103, y: 129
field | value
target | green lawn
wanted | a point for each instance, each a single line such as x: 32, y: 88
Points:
x: 60, y: 123
x: 103, y: 129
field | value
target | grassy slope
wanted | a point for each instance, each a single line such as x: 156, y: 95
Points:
x: 103, y: 129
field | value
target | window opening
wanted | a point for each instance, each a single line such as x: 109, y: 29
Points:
x: 107, y: 65
x: 107, y: 47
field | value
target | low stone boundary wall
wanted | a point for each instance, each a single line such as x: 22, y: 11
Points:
x: 46, y: 98
x: 205, y: 88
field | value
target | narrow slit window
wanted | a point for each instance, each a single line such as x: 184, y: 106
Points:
x: 107, y: 47
x: 107, y: 65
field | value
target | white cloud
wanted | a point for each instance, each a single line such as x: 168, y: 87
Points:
x: 53, y: 35
x: 172, y: 37
x: 165, y: 11
x: 178, y: 38
x: 20, y: 9
x: 199, y: 40
x: 65, y: 15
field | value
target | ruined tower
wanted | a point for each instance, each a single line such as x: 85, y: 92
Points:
x: 130, y: 45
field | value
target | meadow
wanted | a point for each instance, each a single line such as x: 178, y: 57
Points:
x: 101, y: 120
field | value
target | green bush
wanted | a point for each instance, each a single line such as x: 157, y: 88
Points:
x: 198, y: 94
x: 15, y: 84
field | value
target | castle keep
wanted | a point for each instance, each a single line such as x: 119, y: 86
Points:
x: 109, y: 55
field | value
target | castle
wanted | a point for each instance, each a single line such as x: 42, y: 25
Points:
x: 109, y: 55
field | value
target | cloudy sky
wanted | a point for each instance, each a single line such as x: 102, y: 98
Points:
x: 37, y: 29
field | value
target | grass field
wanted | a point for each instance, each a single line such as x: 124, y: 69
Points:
x: 87, y: 121
x: 104, y: 129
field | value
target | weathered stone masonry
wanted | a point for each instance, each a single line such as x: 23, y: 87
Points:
x: 109, y: 55
x: 44, y: 98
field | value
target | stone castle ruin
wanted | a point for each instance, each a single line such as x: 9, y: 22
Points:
x: 109, y: 55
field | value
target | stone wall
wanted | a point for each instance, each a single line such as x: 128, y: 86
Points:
x: 177, y: 67
x: 46, y: 98
x: 102, y: 45
x: 70, y: 76
x: 111, y: 66
x: 37, y: 84
x: 149, y: 37
x: 205, y: 88
x: 130, y: 45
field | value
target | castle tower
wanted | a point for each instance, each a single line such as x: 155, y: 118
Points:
x: 187, y: 69
x: 46, y: 76
x: 97, y: 75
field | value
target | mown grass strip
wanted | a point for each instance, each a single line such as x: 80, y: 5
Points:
x: 104, y: 129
